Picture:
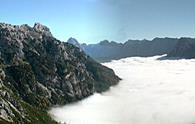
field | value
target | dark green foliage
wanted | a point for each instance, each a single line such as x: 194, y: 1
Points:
x: 23, y: 80
x: 38, y: 116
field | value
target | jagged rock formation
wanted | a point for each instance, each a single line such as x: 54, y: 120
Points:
x: 38, y: 71
x: 106, y: 51
x: 74, y: 42
x: 185, y: 48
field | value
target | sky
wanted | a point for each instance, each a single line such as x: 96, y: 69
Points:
x: 91, y: 21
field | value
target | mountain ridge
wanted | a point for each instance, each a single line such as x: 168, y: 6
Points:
x: 107, y: 51
x: 185, y: 48
x: 38, y: 71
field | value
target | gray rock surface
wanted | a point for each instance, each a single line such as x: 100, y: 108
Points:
x: 38, y: 71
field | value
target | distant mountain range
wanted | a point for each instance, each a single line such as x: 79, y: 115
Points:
x: 106, y: 51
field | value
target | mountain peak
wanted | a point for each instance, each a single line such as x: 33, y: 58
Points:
x: 74, y: 42
x: 42, y: 28
x: 37, y: 28
x: 104, y: 42
x: 38, y: 71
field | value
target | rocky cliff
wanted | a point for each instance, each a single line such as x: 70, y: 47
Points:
x: 38, y: 71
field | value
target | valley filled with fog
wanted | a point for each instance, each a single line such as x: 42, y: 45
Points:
x: 152, y: 92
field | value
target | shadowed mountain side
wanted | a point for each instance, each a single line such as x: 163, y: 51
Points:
x: 38, y: 71
x: 106, y: 51
x: 185, y: 48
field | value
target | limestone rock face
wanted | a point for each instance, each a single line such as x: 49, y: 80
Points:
x: 38, y: 71
x: 41, y: 28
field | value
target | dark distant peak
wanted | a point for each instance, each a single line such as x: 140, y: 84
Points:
x: 83, y: 44
x: 157, y: 38
x: 104, y: 42
x: 110, y: 44
x: 133, y: 40
x: 171, y: 38
x: 113, y: 42
x: 144, y: 40
x: 73, y: 41
x: 165, y: 38
x: 185, y: 48
x: 42, y: 28
x: 185, y: 42
x: 186, y: 39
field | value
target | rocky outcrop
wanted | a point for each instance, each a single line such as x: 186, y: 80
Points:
x: 185, y: 48
x: 74, y: 42
x: 38, y: 71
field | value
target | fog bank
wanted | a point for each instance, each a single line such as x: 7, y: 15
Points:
x: 151, y: 92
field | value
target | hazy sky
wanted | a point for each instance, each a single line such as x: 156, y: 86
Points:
x: 91, y: 21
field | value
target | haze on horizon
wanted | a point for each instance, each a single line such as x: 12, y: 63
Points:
x: 91, y: 21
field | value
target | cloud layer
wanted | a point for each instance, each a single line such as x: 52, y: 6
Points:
x: 151, y: 92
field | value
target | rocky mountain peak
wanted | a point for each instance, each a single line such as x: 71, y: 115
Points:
x: 104, y: 42
x: 38, y: 71
x: 42, y: 28
x: 74, y: 42
x: 24, y: 31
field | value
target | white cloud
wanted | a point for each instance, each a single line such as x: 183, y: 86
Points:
x: 151, y: 92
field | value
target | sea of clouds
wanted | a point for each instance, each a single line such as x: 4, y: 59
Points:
x: 152, y: 92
